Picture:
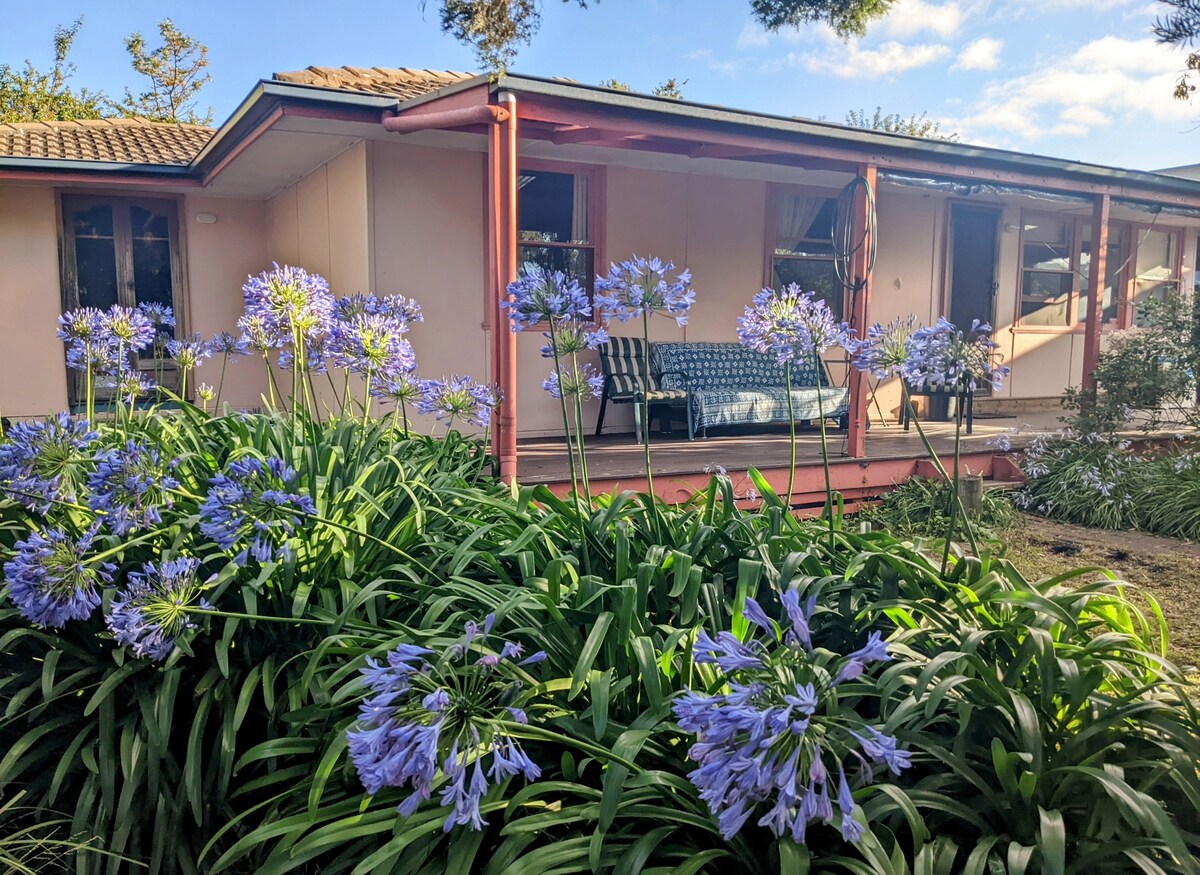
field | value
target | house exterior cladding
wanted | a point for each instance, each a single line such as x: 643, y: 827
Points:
x: 439, y: 185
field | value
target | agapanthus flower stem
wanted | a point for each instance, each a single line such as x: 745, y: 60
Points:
x: 236, y: 615
x: 954, y: 497
x: 583, y: 465
x: 220, y: 382
x: 824, y: 446
x: 645, y: 435
x: 580, y: 517
x: 787, y: 372
x: 366, y: 395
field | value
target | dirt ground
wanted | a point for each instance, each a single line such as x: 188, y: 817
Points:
x: 1166, y: 568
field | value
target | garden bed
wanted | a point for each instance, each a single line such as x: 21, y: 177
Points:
x: 1167, y: 568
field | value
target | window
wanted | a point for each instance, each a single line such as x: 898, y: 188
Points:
x: 1047, y: 271
x: 555, y: 223
x: 121, y: 251
x: 803, y: 247
x: 1156, y: 271
x: 1114, y: 268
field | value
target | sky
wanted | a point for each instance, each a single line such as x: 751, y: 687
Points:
x: 1075, y: 79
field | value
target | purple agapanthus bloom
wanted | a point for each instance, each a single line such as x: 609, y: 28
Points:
x: 81, y: 326
x: 191, y: 353
x: 570, y: 337
x: 258, y: 333
x: 885, y: 348
x: 449, y: 709
x: 132, y: 386
x: 942, y: 355
x: 156, y: 607
x: 51, y: 582
x: 574, y: 382
x: 158, y: 314
x: 372, y: 344
x: 771, y: 323
x: 130, y: 486
x: 540, y: 295
x: 40, y: 461
x: 398, y: 307
x: 401, y: 389
x: 641, y: 286
x: 128, y: 328
x: 768, y: 741
x: 255, y: 506
x: 226, y: 344
x: 459, y: 398
x: 290, y: 300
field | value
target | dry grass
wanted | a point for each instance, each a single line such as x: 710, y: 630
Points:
x: 1167, y: 569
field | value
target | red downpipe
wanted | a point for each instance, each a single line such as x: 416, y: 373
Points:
x: 484, y: 114
x: 506, y: 244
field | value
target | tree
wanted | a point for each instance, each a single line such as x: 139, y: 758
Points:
x: 672, y: 88
x: 1181, y: 27
x: 494, y: 28
x: 894, y: 123
x: 28, y: 95
x: 176, y: 70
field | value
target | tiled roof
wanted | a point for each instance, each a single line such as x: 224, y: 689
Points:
x: 401, y: 82
x: 122, y: 140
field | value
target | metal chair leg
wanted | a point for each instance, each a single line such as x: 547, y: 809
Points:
x: 600, y: 416
x: 637, y: 420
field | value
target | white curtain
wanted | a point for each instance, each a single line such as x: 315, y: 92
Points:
x: 796, y: 215
x: 580, y: 233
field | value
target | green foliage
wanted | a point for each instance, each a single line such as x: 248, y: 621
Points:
x: 1048, y: 729
x: 29, y: 95
x: 495, y: 28
x: 918, y: 507
x: 176, y: 71
x: 671, y: 88
x: 1107, y: 484
x: 1146, y: 374
x: 894, y: 123
x: 1180, y: 27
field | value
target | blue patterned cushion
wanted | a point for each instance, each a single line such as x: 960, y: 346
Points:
x: 726, y: 367
x: 715, y: 407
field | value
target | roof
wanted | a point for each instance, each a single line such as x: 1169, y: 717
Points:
x: 402, y: 83
x: 121, y: 140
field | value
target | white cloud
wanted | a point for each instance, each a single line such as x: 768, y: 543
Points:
x: 889, y: 59
x: 910, y: 17
x: 1104, y: 81
x: 752, y: 36
x: 980, y: 54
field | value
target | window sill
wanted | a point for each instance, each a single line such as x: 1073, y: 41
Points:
x: 1062, y: 329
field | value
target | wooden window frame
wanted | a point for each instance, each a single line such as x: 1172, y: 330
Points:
x: 1128, y: 302
x: 775, y: 191
x: 171, y: 206
x: 597, y: 178
x: 1074, y: 225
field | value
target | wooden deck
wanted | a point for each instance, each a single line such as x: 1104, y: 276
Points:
x: 543, y: 460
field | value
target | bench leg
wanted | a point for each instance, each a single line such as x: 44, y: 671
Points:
x: 600, y: 416
x: 637, y: 421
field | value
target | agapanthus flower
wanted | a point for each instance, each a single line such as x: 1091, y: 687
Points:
x: 372, y: 343
x: 102, y: 359
x: 131, y: 485
x: 403, y: 310
x: 401, y: 389
x: 540, y: 295
x: 51, y: 582
x: 132, y: 386
x: 191, y: 353
x: 206, y: 393
x: 768, y: 742
x: 451, y: 710
x: 40, y: 461
x: 459, y: 398
x: 821, y: 329
x: 573, y: 381
x: 571, y: 337
x: 82, y: 325
x: 254, y: 505
x: 942, y: 355
x: 226, y: 344
x: 158, y: 314
x: 157, y: 607
x: 641, y: 286
x: 771, y: 323
x: 314, y: 356
x: 128, y: 327
x: 290, y: 299
x: 90, y: 346
x: 885, y: 349
x: 258, y: 333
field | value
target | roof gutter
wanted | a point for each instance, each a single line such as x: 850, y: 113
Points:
x: 482, y: 114
x: 70, y: 170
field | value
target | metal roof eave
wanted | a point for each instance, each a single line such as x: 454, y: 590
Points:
x: 77, y: 165
x: 897, y: 144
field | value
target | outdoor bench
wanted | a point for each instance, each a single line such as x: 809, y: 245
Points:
x: 730, y: 384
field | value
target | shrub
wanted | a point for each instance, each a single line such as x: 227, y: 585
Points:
x: 918, y: 507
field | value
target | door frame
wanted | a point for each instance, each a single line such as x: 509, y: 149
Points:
x: 948, y: 256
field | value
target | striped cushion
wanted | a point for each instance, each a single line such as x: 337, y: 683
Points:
x: 666, y: 395
x: 623, y: 359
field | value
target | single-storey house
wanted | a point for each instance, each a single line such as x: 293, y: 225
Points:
x: 438, y: 185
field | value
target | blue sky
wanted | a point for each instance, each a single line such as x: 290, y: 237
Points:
x: 1079, y: 79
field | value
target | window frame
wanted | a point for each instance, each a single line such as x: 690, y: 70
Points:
x: 1125, y: 281
x: 597, y: 180
x: 68, y: 200
x: 775, y: 192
